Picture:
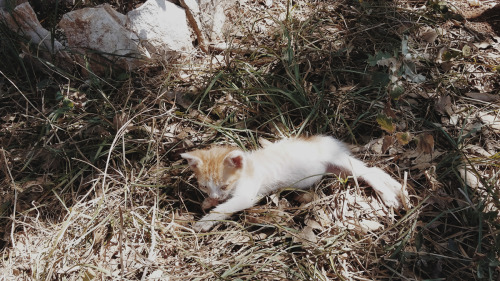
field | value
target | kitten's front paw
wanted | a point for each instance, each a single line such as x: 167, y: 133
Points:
x: 390, y: 190
x: 203, y: 226
x: 391, y: 200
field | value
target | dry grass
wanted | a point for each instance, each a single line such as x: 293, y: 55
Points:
x: 93, y: 187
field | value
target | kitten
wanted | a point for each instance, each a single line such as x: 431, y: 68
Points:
x: 239, y: 179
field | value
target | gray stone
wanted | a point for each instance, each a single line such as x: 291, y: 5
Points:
x: 22, y: 19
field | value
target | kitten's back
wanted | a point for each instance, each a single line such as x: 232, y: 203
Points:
x: 297, y: 162
x: 315, y: 148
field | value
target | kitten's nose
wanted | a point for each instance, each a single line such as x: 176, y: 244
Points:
x: 214, y: 195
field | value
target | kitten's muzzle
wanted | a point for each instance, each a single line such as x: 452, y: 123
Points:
x: 215, y: 196
x: 218, y: 196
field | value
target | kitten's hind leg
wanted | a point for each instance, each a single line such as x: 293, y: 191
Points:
x: 389, y: 190
x: 224, y: 211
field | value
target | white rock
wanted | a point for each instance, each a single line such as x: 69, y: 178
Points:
x: 23, y: 20
x: 158, y: 29
x: 101, y: 29
x: 162, y: 28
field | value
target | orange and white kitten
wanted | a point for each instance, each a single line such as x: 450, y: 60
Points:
x: 239, y: 179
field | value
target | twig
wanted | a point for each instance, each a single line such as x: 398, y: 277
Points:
x: 120, y: 243
x: 151, y: 255
x: 13, y: 226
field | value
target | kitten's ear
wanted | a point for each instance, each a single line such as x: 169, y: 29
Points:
x: 235, y: 159
x: 193, y: 161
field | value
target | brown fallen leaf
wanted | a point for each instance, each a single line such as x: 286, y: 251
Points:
x: 446, y: 66
x: 120, y: 120
x: 388, y: 111
x: 387, y: 143
x: 443, y: 105
x: 306, y: 197
x: 430, y: 35
x: 483, y: 96
x: 425, y: 143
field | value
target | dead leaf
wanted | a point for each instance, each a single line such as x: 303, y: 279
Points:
x: 323, y: 218
x: 443, y: 105
x: 388, y: 111
x: 386, y: 123
x: 440, y: 55
x: 431, y: 177
x: 369, y: 225
x: 403, y: 138
x: 275, y: 199
x: 306, y: 235
x: 425, y: 143
x: 422, y: 162
x: 482, y: 45
x: 447, y: 65
x: 8, y: 118
x: 178, y: 97
x: 470, y: 178
x: 466, y: 51
x: 454, y: 119
x: 35, y: 185
x: 392, y: 63
x: 314, y: 224
x: 478, y: 150
x: 483, y: 96
x: 157, y: 274
x: 120, y: 120
x: 305, y: 197
x: 491, y: 120
x: 364, y: 226
x: 375, y: 145
x: 388, y: 141
x: 429, y: 35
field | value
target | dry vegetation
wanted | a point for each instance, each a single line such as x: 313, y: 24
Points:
x: 93, y: 187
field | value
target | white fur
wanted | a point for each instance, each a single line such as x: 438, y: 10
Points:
x: 297, y: 163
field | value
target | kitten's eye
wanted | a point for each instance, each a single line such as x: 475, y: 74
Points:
x: 203, y: 187
x: 224, y: 187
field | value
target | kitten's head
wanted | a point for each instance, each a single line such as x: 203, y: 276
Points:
x: 217, y: 169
